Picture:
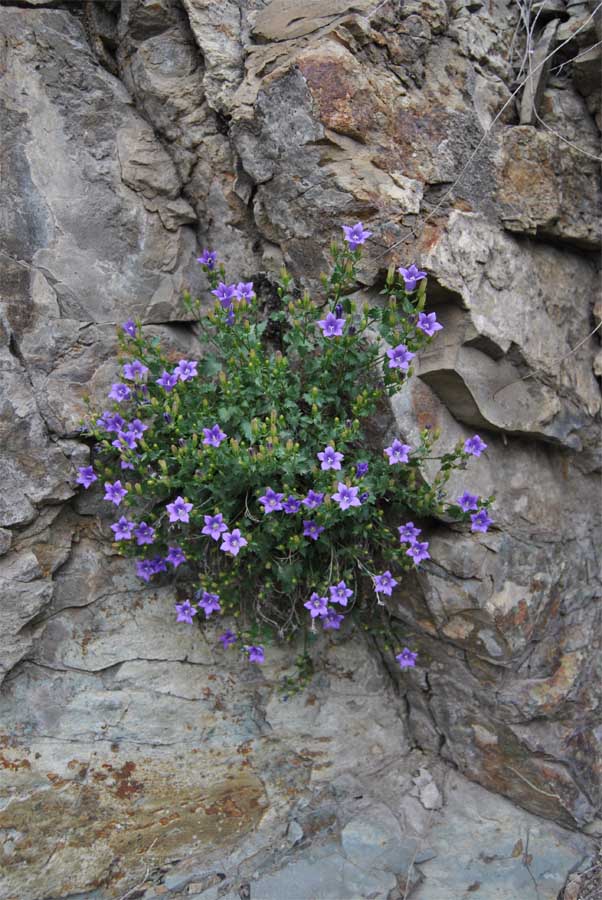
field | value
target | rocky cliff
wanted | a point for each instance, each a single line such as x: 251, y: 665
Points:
x: 135, y: 133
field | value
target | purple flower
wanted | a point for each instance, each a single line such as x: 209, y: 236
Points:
x: 313, y: 499
x: 474, y: 445
x: 186, y: 369
x: 167, y: 381
x: 256, y: 654
x: 110, y: 422
x: 134, y: 370
x: 230, y: 318
x: 126, y: 465
x: 225, y: 293
x: 145, y: 534
x: 158, y: 564
x: 185, y: 611
x: 332, y: 619
x: 125, y: 439
x: 175, y: 556
x: 480, y: 521
x: 400, y: 357
x: 137, y: 428
x: 384, y: 584
x: 213, y: 436
x: 340, y: 593
x: 291, y: 506
x: 130, y: 328
x: 331, y: 326
x: 120, y: 392
x: 86, y: 476
x: 244, y: 291
x: 312, y: 529
x: 232, y: 542
x: 317, y: 606
x: 355, y: 235
x: 179, y: 510
x: 145, y: 569
x: 214, y: 526
x: 397, y: 452
x: 411, y: 276
x: 418, y: 551
x: 208, y: 258
x: 361, y: 469
x: 428, y: 323
x: 122, y: 529
x: 330, y: 458
x: 210, y: 603
x: 228, y: 638
x: 347, y: 496
x: 114, y: 492
x: 272, y: 502
x: 406, y: 659
x: 408, y: 533
x: 467, y: 501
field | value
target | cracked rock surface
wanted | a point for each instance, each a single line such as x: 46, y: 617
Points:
x: 133, y: 759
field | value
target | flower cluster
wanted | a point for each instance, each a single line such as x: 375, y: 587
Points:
x: 245, y: 473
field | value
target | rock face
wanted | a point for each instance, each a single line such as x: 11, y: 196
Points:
x: 134, y: 134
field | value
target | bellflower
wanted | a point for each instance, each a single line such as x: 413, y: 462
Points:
x: 175, y: 556
x: 213, y: 436
x: 145, y: 534
x: 113, y: 422
x: 418, y: 551
x: 411, y: 276
x: 208, y: 258
x: 120, y: 392
x: 122, y: 529
x: 179, y: 510
x: 124, y: 464
x: 331, y: 326
x: 468, y: 501
x: 86, y: 476
x: 361, y: 469
x: 397, y: 452
x: 244, y: 291
x: 214, y: 526
x: 137, y: 428
x: 356, y: 235
x: 340, y: 593
x: 406, y: 659
x: 134, y: 370
x: 185, y: 611
x: 167, y: 381
x: 428, y: 323
x: 400, y: 357
x: 384, y: 584
x: 232, y: 542
x: 313, y: 499
x: 330, y: 458
x: 256, y: 654
x: 272, y: 502
x: 312, y: 529
x: 480, y: 521
x: 225, y: 293
x: 227, y: 638
x: 186, y: 369
x: 317, y: 606
x: 291, y: 506
x: 332, y: 619
x: 347, y: 496
x: 129, y: 328
x: 125, y: 439
x: 158, y: 564
x: 210, y: 603
x: 474, y: 445
x: 408, y: 533
x: 114, y: 493
x: 145, y: 569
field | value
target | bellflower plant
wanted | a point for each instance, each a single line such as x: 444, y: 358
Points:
x: 246, y: 474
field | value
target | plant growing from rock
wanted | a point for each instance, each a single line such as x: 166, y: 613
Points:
x: 249, y: 471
